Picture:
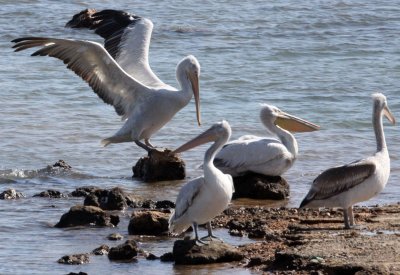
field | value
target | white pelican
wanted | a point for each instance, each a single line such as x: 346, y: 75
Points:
x: 265, y: 155
x: 358, y: 181
x: 126, y: 82
x: 203, y: 198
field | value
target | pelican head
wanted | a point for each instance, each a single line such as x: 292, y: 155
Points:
x: 270, y: 114
x: 189, y: 67
x: 380, y: 105
x: 220, y: 132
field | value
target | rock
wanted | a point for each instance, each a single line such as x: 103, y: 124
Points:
x: 167, y: 257
x: 62, y: 164
x: 83, y: 191
x: 50, y: 194
x: 115, y: 237
x: 148, y: 223
x: 11, y: 194
x: 82, y: 19
x: 124, y: 252
x: 80, y: 273
x: 87, y: 215
x: 165, y: 204
x: 57, y: 168
x: 74, y: 259
x: 188, y: 252
x: 101, y: 250
x: 257, y: 186
x: 159, y: 166
x: 149, y: 204
x: 151, y: 257
x: 114, y: 199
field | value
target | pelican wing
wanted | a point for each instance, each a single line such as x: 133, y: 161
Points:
x: 339, y: 179
x: 246, y: 152
x: 93, y: 64
x: 127, y: 39
x: 187, y: 195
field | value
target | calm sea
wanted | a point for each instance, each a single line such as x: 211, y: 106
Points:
x: 319, y: 60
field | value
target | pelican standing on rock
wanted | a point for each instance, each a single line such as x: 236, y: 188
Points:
x: 203, y: 198
x: 358, y: 181
x: 123, y: 78
x: 265, y: 155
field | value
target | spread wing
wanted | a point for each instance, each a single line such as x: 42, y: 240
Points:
x: 245, y: 152
x: 94, y: 65
x: 127, y: 39
x: 339, y: 179
x: 187, y: 195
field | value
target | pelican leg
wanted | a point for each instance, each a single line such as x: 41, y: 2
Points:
x: 196, y: 235
x: 144, y: 146
x: 346, y: 218
x: 351, y: 216
x: 147, y: 142
x: 210, y: 235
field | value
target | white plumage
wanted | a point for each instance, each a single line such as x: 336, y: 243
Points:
x: 201, y: 199
x: 126, y: 82
x: 265, y: 155
x: 343, y: 186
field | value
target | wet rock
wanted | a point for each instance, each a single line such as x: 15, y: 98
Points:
x: 80, y: 273
x: 56, y: 169
x: 148, y: 223
x: 159, y: 166
x: 115, y: 237
x: 151, y: 257
x: 167, y: 257
x: 87, y: 215
x: 50, y: 194
x: 188, y: 252
x: 148, y: 204
x: 114, y: 199
x: 83, y: 191
x: 75, y: 259
x: 124, y: 252
x: 83, y: 19
x: 11, y: 194
x: 165, y: 204
x: 257, y: 186
x: 101, y: 250
x: 62, y: 164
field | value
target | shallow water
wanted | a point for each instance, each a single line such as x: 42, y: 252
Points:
x: 318, y: 60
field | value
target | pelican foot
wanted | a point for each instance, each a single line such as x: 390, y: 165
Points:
x: 211, y: 238
x: 199, y: 242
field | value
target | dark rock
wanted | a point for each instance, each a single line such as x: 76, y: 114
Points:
x: 11, y: 194
x: 62, y: 164
x: 83, y: 191
x: 151, y: 257
x: 257, y: 186
x: 80, y: 273
x: 148, y: 223
x: 188, y: 252
x: 149, y: 204
x: 101, y: 250
x: 50, y: 194
x: 159, y: 166
x: 114, y: 199
x: 57, y: 168
x: 115, y: 237
x: 87, y: 215
x: 167, y: 257
x: 165, y: 204
x: 124, y: 252
x: 255, y: 261
x: 74, y: 259
x: 83, y: 19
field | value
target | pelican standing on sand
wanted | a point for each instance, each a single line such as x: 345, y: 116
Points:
x: 358, y: 181
x: 126, y: 82
x: 203, y: 198
x: 265, y: 155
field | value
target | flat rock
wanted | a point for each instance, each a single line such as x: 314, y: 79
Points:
x: 148, y: 223
x: 188, y: 252
x: 115, y: 237
x: 101, y: 250
x: 124, y: 252
x: 257, y: 186
x: 113, y: 199
x: 50, y: 193
x: 87, y: 215
x: 11, y: 194
x: 75, y: 259
x: 159, y: 166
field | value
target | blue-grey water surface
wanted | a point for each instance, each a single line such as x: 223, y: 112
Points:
x: 319, y: 60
